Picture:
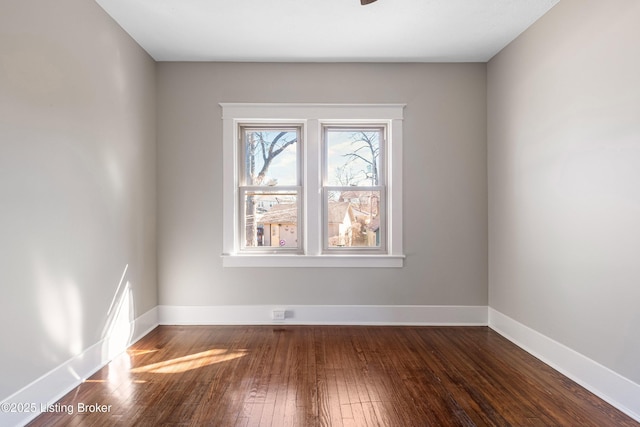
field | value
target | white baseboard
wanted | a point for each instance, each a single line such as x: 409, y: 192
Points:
x: 606, y: 384
x: 53, y: 385
x: 600, y: 380
x: 324, y: 315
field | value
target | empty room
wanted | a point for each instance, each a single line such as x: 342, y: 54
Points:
x: 320, y: 213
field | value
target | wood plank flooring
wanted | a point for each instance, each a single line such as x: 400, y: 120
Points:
x: 331, y: 376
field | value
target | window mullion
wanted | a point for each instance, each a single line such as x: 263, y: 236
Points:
x: 312, y: 186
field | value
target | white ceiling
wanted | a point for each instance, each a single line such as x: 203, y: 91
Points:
x: 325, y: 30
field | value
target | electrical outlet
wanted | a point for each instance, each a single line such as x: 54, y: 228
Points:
x: 278, y: 314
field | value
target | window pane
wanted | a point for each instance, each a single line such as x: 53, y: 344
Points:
x: 353, y: 157
x: 271, y: 219
x: 353, y: 219
x: 270, y: 156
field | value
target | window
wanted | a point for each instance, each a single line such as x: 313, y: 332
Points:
x: 354, y: 188
x: 270, y: 188
x: 312, y: 185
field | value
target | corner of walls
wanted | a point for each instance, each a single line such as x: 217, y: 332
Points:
x: 562, y: 135
x: 610, y: 386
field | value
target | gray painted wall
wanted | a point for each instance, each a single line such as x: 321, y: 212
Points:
x: 445, y: 211
x: 77, y: 181
x: 564, y: 180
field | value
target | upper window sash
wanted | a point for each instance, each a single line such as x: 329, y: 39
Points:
x: 264, y: 149
x: 360, y: 144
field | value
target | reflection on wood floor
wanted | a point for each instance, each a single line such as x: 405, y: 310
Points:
x: 331, y: 376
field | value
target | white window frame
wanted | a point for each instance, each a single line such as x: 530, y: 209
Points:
x: 312, y: 117
x: 382, y: 187
x: 243, y: 188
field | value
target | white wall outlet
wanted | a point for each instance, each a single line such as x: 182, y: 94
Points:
x: 278, y: 314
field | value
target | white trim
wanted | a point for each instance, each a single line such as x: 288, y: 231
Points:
x: 302, y: 111
x: 281, y: 260
x: 56, y: 383
x: 598, y: 379
x: 419, y: 315
x: 312, y: 200
x: 144, y: 324
x: 394, y: 188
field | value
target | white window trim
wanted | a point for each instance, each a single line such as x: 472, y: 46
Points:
x: 312, y: 116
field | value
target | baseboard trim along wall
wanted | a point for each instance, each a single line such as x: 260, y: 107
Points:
x: 323, y: 315
x: 600, y: 380
x: 608, y: 385
x: 53, y: 385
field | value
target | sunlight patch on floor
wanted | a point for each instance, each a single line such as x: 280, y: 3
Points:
x: 139, y: 352
x: 190, y: 362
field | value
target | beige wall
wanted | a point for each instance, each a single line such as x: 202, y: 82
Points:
x: 444, y: 183
x: 77, y: 181
x: 564, y: 180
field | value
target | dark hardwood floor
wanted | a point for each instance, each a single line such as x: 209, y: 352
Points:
x: 330, y: 376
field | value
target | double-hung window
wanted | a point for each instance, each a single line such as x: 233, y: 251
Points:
x: 270, y: 188
x: 312, y: 185
x: 353, y: 188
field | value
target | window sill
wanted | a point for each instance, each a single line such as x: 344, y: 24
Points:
x: 266, y: 260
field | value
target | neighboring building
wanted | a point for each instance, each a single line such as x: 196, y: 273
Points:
x: 279, y: 226
x: 341, y: 219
